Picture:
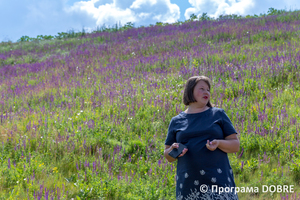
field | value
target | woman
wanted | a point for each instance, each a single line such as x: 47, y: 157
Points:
x: 209, y: 135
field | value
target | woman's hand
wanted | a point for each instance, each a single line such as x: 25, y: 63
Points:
x: 213, y: 145
x: 176, y: 145
x: 231, y: 144
x: 168, y: 149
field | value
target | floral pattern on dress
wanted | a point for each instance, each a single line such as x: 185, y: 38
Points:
x: 209, y: 195
x: 179, y: 196
x: 193, y: 195
x: 186, y: 175
x: 213, y: 179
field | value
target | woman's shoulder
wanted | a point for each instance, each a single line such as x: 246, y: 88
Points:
x: 220, y: 112
x: 217, y: 110
x: 178, y: 116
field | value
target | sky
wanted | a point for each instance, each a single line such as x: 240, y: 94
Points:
x: 48, y: 17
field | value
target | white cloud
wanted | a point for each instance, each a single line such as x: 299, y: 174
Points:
x: 140, y: 12
x: 214, y: 8
x: 156, y: 10
x: 263, y: 6
x: 108, y: 13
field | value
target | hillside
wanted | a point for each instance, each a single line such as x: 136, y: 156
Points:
x: 86, y: 117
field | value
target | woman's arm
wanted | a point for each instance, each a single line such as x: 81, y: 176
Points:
x: 231, y: 144
x: 169, y: 148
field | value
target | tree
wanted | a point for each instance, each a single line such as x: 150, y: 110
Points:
x: 273, y: 11
x: 193, y: 17
x: 204, y: 17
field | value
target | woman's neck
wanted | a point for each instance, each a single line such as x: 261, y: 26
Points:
x: 196, y: 109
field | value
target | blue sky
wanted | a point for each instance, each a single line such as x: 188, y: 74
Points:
x: 48, y: 17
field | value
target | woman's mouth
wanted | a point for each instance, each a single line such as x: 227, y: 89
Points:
x: 205, y: 97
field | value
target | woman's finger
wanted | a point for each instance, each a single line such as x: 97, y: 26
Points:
x: 183, y: 152
x: 175, y: 145
x: 207, y: 143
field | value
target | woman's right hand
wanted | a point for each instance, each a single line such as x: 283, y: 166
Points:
x: 176, y: 145
x: 169, y: 148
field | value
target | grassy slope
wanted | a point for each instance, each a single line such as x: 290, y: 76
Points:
x: 88, y: 116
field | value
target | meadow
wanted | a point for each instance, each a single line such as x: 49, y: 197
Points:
x: 87, y: 117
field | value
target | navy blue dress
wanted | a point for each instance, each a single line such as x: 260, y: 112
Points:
x: 200, y: 169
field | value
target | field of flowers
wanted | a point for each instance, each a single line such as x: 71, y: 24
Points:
x: 86, y: 118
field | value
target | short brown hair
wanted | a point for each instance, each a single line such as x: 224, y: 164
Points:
x: 188, y: 94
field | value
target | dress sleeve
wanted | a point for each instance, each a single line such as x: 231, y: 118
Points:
x: 171, y: 136
x: 227, y: 126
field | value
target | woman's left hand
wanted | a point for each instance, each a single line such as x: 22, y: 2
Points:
x: 212, y: 145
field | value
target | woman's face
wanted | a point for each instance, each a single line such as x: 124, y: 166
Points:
x: 202, y: 93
